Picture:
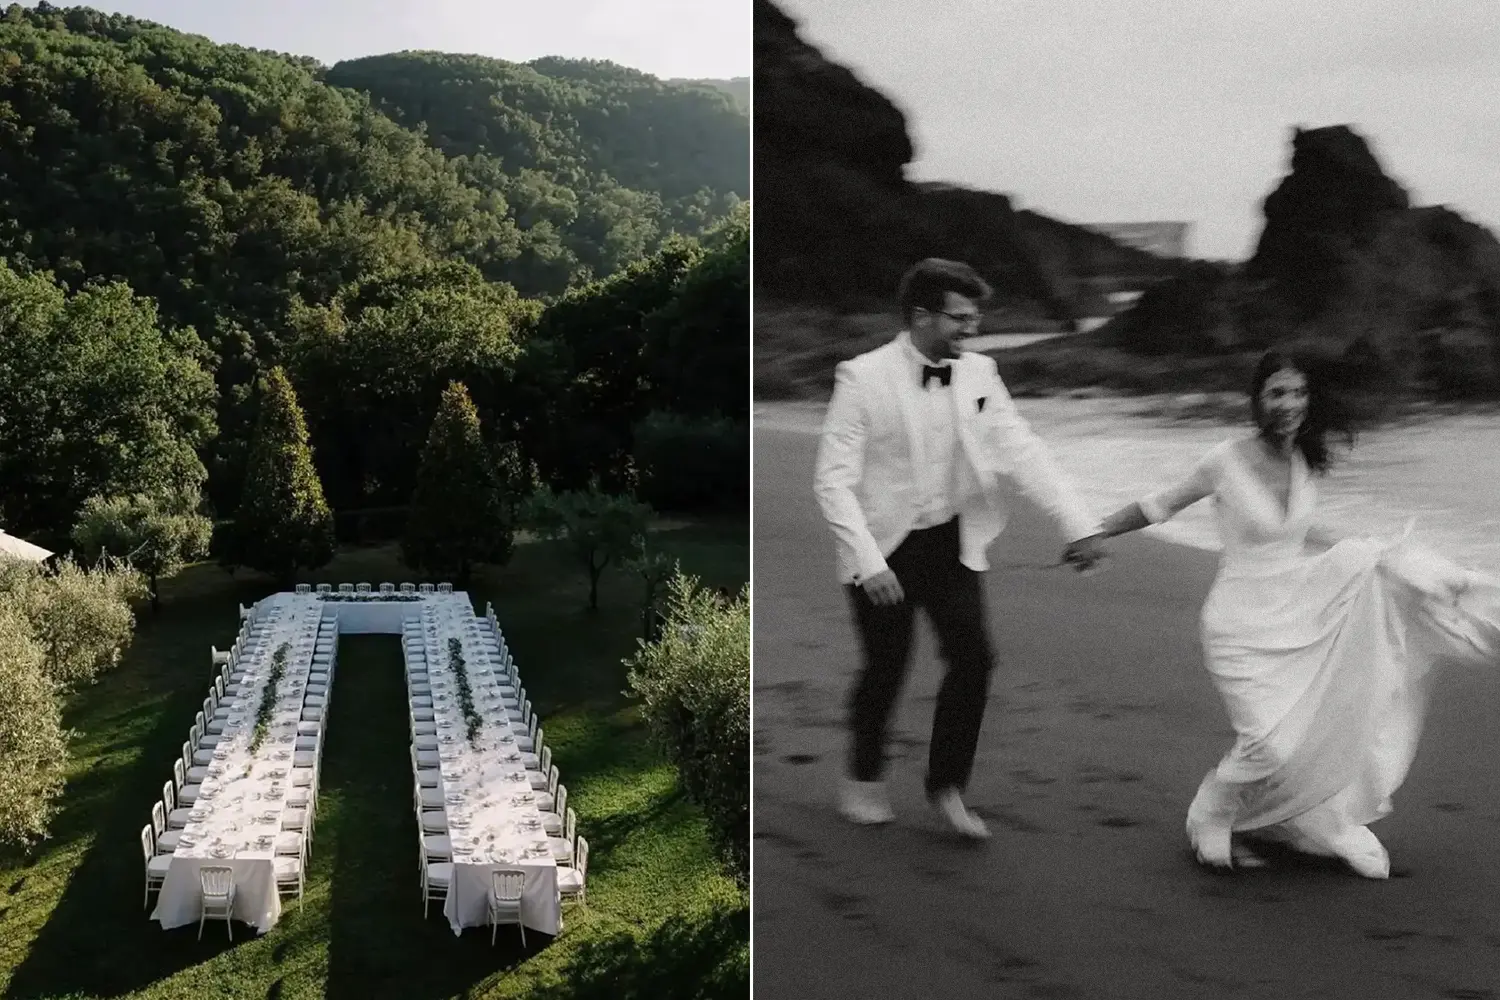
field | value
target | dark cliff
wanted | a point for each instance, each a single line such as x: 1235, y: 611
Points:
x: 836, y: 219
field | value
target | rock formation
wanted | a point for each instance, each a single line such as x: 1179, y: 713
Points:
x: 1411, y: 292
x: 836, y: 219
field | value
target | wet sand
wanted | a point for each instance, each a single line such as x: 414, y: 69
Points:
x: 1101, y: 723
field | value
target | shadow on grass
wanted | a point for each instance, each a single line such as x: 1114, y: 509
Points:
x: 684, y: 959
x: 379, y: 943
x: 98, y: 940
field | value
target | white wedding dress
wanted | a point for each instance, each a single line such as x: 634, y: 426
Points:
x: 1323, y: 661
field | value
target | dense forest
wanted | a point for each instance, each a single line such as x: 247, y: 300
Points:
x: 178, y: 218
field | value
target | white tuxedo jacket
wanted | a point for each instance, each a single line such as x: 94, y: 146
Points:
x: 870, y: 454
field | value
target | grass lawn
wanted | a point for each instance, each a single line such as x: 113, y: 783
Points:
x: 660, y: 923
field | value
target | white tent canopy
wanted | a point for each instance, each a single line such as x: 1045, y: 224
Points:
x: 12, y: 547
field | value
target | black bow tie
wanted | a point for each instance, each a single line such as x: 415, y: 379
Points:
x: 943, y: 373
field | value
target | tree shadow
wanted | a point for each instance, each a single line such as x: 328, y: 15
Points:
x: 98, y: 940
x: 702, y: 958
x: 379, y: 943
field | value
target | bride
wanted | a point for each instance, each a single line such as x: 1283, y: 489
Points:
x: 1321, y: 649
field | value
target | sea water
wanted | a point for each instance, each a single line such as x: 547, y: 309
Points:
x: 1444, y: 470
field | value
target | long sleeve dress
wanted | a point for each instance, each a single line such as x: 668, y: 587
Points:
x: 1323, y: 660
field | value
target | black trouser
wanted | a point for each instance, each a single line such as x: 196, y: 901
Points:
x: 927, y: 567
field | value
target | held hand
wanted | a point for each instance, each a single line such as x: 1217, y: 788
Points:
x: 884, y: 589
x: 1086, y: 553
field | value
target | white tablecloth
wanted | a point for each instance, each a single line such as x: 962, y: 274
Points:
x: 241, y: 804
x: 367, y: 617
x: 493, y: 819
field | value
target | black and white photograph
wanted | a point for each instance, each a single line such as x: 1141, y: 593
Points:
x: 1126, y: 504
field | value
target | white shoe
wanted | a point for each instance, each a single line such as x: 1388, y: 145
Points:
x: 865, y: 803
x: 1212, y: 844
x: 1363, y: 852
x: 964, y: 823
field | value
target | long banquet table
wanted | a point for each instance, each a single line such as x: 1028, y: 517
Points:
x: 243, y: 799
x: 494, y: 820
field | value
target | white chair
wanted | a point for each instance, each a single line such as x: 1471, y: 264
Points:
x: 217, y: 898
x: 523, y: 715
x: 562, y: 847
x: 220, y: 657
x: 530, y: 742
x: 445, y: 588
x: 245, y: 613
x: 156, y: 865
x: 546, y: 800
x: 387, y: 588
x: 539, y: 764
x: 176, y: 818
x: 408, y: 588
x: 572, y: 883
x: 506, y: 885
x: 361, y: 588
x: 186, y: 794
x: 425, y: 588
x: 552, y: 820
x: 437, y: 876
x: 346, y: 588
x: 291, y: 869
x: 435, y: 847
x: 303, y: 588
x: 324, y: 588
x: 195, y: 772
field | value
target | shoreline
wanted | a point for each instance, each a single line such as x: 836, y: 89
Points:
x: 1444, y: 470
x: 1196, y: 407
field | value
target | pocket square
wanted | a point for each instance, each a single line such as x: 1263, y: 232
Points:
x: 981, y: 403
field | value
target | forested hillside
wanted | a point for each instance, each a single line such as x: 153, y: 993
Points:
x: 177, y: 217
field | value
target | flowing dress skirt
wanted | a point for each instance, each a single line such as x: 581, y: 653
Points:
x: 1325, y: 663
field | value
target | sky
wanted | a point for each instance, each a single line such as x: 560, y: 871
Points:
x: 1178, y: 110
x: 666, y: 38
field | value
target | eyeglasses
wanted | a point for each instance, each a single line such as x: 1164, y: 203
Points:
x: 962, y: 318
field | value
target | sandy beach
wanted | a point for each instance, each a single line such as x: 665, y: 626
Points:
x: 1100, y: 725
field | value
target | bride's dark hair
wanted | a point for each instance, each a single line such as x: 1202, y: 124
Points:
x: 1328, y: 413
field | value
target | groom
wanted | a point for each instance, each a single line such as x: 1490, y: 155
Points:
x: 916, y: 440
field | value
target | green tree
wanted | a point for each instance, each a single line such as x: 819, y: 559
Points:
x: 283, y: 523
x: 593, y: 340
x: 598, y: 528
x: 371, y: 367
x: 694, y: 687
x: 157, y: 535
x: 696, y: 346
x: 80, y: 617
x: 654, y: 568
x: 95, y: 399
x: 33, y: 743
x: 458, y: 517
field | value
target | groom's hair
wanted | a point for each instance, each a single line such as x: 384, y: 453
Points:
x: 924, y: 286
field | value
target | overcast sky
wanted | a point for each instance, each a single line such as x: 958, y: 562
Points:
x: 667, y: 38
x: 1157, y: 110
